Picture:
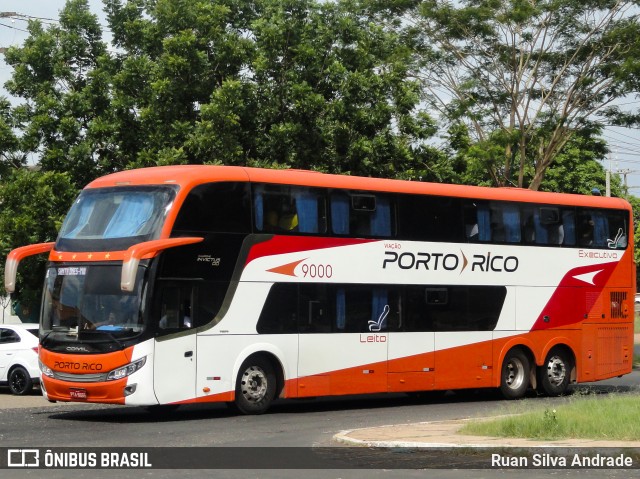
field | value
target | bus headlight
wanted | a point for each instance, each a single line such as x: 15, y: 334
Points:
x: 127, y: 370
x: 46, y: 370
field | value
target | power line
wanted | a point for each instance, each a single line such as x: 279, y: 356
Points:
x: 13, y: 28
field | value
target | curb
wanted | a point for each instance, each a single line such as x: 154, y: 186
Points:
x: 344, y: 437
x: 444, y: 434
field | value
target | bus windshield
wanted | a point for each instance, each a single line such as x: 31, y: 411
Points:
x: 110, y: 219
x: 88, y: 298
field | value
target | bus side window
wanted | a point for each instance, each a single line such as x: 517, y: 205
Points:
x: 569, y: 227
x: 415, y: 314
x: 544, y: 225
x: 216, y: 207
x: 175, y: 308
x: 316, y: 311
x: 285, y: 209
x: 505, y: 222
x: 602, y: 229
x: 477, y: 219
x: 353, y: 309
x: 340, y: 210
x: 429, y: 218
x: 465, y: 308
x: 617, y: 238
x: 593, y: 229
x: 280, y: 312
x: 362, y: 215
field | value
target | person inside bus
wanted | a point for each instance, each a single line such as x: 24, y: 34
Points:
x: 586, y: 238
x: 283, y: 222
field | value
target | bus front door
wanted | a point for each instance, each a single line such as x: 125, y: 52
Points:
x: 175, y: 346
x: 174, y: 370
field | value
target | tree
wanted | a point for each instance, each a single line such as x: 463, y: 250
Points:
x: 34, y: 204
x: 173, y: 55
x: 10, y: 156
x: 57, y: 73
x: 508, y: 71
x: 578, y: 168
x: 278, y: 83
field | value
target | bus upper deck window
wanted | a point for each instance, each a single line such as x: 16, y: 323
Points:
x: 285, y: 209
x: 361, y: 215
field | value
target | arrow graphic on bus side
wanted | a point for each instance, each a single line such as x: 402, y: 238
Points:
x: 286, y: 269
x: 588, y: 277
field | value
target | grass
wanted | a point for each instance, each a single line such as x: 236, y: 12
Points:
x: 615, y: 417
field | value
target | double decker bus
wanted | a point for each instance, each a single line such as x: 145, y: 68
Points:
x: 194, y: 284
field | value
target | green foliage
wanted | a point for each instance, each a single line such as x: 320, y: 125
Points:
x: 524, y: 77
x: 615, y: 417
x: 578, y: 169
x: 10, y: 156
x: 57, y: 72
x: 34, y: 204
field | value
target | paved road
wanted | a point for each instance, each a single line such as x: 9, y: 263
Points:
x: 31, y: 421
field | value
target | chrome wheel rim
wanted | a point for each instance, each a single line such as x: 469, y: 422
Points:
x: 556, y: 371
x: 253, y: 384
x: 514, y: 374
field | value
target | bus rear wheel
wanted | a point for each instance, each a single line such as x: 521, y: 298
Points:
x: 555, y: 373
x: 255, y: 386
x: 515, y: 372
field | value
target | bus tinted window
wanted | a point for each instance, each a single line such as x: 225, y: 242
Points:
x: 362, y: 214
x: 602, y: 229
x: 548, y: 225
x: 289, y: 209
x: 317, y: 308
x: 492, y: 221
x: 280, y: 312
x: 430, y: 218
x: 465, y: 308
x: 216, y: 207
x: 345, y: 308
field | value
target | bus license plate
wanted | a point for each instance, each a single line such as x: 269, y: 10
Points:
x: 78, y: 394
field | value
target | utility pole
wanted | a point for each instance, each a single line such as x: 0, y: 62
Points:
x: 624, y: 174
x: 608, y: 178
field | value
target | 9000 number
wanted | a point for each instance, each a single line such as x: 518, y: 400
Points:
x: 317, y: 271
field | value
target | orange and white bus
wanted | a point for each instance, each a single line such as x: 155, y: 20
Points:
x: 192, y: 284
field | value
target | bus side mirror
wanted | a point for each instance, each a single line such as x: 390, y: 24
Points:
x: 138, y: 251
x: 14, y: 258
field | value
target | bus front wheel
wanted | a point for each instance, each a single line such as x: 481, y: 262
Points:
x: 555, y: 373
x: 255, y: 386
x: 516, y: 368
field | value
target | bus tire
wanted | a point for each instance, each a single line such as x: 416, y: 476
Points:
x: 554, y: 375
x: 514, y: 379
x: 255, y: 386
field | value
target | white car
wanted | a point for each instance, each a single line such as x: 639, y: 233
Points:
x: 19, y: 357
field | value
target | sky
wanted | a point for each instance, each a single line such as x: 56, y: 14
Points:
x: 624, y: 143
